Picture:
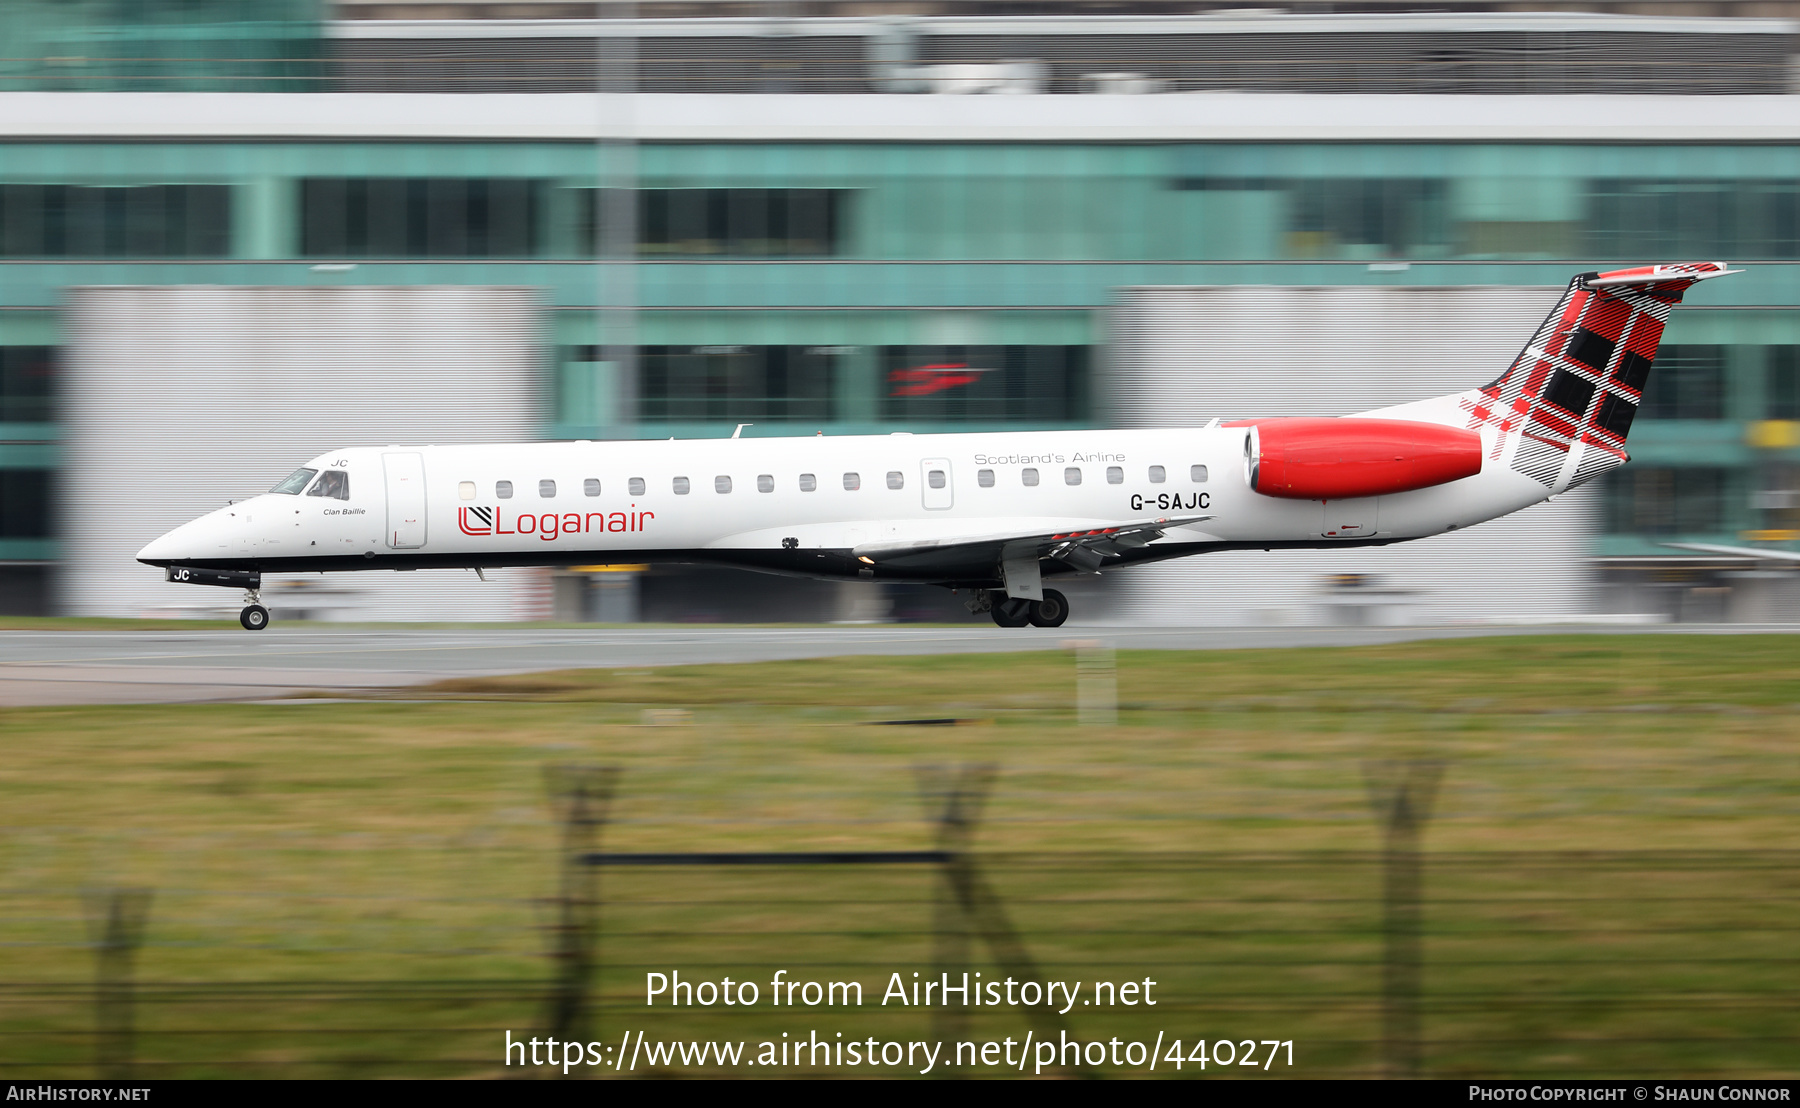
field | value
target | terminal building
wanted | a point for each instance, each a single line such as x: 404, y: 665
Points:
x: 308, y: 232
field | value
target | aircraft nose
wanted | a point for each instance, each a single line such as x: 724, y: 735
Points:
x: 182, y: 543
x: 161, y: 550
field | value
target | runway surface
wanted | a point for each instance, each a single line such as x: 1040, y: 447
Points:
x: 149, y: 667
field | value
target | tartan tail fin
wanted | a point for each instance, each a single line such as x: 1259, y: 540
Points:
x: 1573, y: 391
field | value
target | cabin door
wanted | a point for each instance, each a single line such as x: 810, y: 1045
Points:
x: 405, y: 500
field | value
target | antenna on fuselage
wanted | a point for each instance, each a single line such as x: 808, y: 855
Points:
x: 740, y: 429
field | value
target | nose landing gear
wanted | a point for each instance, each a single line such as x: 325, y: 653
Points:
x: 254, y: 617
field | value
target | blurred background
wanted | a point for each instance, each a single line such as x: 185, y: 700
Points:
x: 233, y: 235
x: 236, y: 235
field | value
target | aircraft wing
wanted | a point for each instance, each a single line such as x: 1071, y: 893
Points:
x: 1744, y: 551
x: 1086, y: 549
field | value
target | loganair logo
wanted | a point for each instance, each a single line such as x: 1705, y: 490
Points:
x: 484, y: 521
x: 925, y: 380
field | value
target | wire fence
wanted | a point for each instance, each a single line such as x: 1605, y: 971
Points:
x: 1398, y: 961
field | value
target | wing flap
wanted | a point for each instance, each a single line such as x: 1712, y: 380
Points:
x: 1083, y: 547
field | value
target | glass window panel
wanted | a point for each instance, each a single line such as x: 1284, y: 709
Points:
x: 765, y: 482
x: 1157, y: 475
x: 1783, y: 388
x: 681, y: 486
x: 1662, y: 500
x: 1043, y: 384
x: 721, y: 483
x: 1072, y: 475
x: 385, y: 219
x: 738, y: 384
x: 984, y: 478
x: 25, y: 504
x: 27, y: 384
x: 1115, y: 475
x: 896, y: 479
x: 808, y: 482
x: 503, y: 490
x: 1686, y: 382
x: 446, y: 217
x: 465, y: 490
x: 742, y: 221
x: 590, y: 486
x: 547, y: 489
x: 1029, y: 476
x: 334, y: 483
x: 636, y: 485
x: 852, y: 482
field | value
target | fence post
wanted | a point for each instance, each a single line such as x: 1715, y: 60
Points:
x: 954, y: 799
x: 966, y: 905
x: 116, y: 919
x: 1096, y: 683
x: 1402, y: 794
x: 581, y: 795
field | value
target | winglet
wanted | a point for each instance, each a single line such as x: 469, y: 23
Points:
x: 1740, y: 551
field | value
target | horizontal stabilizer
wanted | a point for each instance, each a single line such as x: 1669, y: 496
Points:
x: 1740, y: 551
x: 1657, y: 274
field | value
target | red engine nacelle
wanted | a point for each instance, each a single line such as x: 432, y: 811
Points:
x: 1337, y: 459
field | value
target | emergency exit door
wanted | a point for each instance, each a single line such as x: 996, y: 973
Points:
x: 936, y: 483
x: 405, y: 500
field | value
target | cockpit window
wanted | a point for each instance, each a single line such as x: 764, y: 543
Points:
x: 295, y: 482
x: 333, y: 483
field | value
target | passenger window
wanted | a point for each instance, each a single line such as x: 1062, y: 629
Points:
x: 1029, y: 476
x: 808, y: 482
x: 896, y: 479
x: 1197, y: 474
x: 1115, y: 475
x: 547, y: 489
x: 466, y: 490
x: 852, y: 482
x: 503, y: 490
x: 765, y: 482
x: 334, y: 483
x: 984, y: 478
x: 935, y: 478
x: 1072, y: 475
x: 721, y: 484
x: 591, y: 487
x: 294, y: 482
x: 1156, y: 475
x: 636, y: 485
x: 681, y: 486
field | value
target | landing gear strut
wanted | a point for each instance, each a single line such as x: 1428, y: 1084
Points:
x: 254, y: 617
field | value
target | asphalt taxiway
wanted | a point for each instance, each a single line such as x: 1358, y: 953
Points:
x: 50, y: 667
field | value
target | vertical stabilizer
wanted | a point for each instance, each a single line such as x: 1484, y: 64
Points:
x: 1570, y: 397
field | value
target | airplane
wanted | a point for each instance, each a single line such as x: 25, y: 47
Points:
x: 994, y: 513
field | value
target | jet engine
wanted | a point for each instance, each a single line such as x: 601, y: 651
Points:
x: 1338, y: 459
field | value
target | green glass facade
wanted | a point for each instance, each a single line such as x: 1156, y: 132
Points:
x: 798, y: 284
x: 162, y: 45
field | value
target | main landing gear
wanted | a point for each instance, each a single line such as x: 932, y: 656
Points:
x: 254, y: 617
x: 1009, y: 611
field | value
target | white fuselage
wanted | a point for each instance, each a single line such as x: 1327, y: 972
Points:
x: 762, y: 501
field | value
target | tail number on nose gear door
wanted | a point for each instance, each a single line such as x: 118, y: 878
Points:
x: 1166, y: 501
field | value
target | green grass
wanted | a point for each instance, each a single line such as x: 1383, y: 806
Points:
x: 363, y: 889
